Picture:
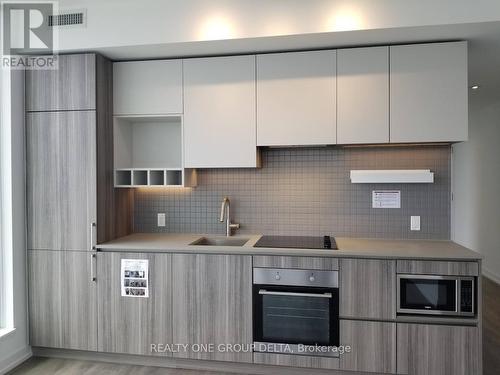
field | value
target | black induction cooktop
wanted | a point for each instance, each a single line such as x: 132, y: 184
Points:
x: 297, y: 242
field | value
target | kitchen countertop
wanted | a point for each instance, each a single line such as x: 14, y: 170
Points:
x: 348, y: 247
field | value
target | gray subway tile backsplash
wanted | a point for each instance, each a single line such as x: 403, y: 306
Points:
x: 307, y: 191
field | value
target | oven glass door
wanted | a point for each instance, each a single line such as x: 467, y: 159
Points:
x: 428, y: 294
x: 296, y: 315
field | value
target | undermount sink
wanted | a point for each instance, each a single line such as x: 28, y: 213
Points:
x: 220, y: 241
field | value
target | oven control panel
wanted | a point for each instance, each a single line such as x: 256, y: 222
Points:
x: 295, y: 277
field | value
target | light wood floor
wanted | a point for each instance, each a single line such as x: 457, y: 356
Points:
x: 53, y: 366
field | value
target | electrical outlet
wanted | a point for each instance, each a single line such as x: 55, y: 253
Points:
x: 415, y: 223
x: 161, y: 220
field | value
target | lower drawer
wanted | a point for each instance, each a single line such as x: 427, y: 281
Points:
x: 296, y: 360
x: 438, y: 349
x: 307, y: 263
x: 426, y: 267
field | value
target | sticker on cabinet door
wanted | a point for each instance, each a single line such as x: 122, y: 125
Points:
x: 134, y: 278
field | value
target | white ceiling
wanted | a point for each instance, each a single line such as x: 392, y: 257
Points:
x: 484, y: 46
x: 119, y: 23
x: 129, y: 29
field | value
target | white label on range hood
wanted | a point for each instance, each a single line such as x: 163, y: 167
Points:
x: 386, y: 199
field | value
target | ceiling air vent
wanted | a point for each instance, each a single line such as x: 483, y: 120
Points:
x: 68, y: 18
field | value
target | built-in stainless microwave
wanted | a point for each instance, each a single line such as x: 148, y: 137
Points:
x: 436, y: 295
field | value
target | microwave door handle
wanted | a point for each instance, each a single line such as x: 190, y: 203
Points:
x: 294, y: 294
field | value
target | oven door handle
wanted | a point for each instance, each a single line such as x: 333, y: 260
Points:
x: 272, y: 293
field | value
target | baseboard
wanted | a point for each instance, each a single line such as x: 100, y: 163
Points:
x: 491, y: 275
x: 15, y: 360
x: 188, y: 364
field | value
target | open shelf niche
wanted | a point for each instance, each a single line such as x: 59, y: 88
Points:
x: 148, y: 152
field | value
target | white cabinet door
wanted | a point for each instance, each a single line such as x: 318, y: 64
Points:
x: 428, y: 92
x: 147, y: 87
x: 296, y: 98
x: 363, y: 95
x: 219, y: 112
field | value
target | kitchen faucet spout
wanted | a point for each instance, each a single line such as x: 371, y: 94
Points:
x: 225, y: 212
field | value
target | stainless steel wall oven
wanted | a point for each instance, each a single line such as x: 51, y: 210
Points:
x: 296, y: 308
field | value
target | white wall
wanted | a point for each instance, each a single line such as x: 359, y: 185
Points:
x: 113, y: 23
x: 476, y: 183
x: 14, y: 347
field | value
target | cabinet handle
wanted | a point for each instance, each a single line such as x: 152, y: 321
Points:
x: 92, y: 230
x: 295, y: 294
x: 92, y: 274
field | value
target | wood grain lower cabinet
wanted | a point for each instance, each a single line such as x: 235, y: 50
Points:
x: 62, y: 300
x: 367, y: 289
x: 212, y: 304
x: 373, y: 346
x: 438, y: 350
x: 134, y: 325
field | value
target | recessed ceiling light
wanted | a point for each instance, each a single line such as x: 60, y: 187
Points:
x: 475, y: 87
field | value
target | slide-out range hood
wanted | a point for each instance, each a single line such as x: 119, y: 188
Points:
x: 402, y: 176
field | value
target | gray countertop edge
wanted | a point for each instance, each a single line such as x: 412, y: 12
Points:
x: 348, y: 247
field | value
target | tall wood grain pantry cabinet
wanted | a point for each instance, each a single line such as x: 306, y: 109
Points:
x: 71, y: 204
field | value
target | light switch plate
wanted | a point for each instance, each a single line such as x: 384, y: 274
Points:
x: 161, y: 220
x: 415, y: 223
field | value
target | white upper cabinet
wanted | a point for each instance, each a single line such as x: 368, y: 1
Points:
x: 363, y: 95
x: 428, y: 92
x: 147, y: 87
x: 219, y: 112
x: 296, y: 98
